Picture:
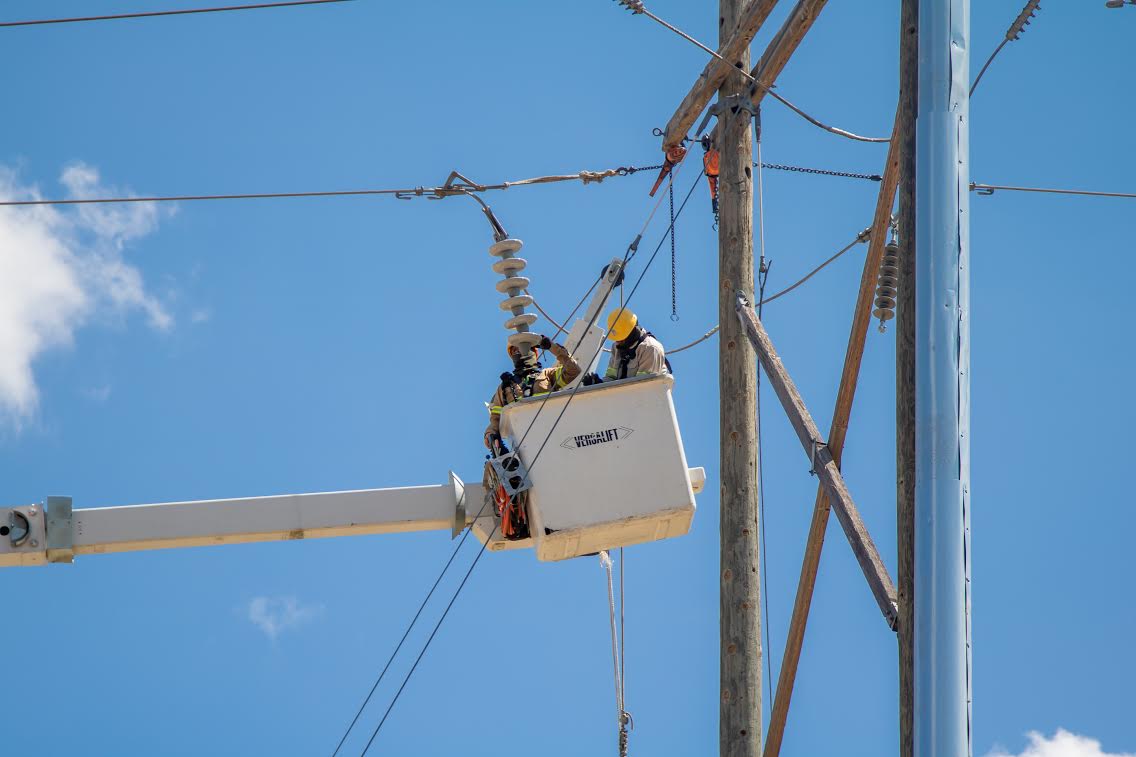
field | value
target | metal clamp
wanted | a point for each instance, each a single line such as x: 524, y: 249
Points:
x: 60, y: 527
x: 729, y: 102
x: 817, y: 445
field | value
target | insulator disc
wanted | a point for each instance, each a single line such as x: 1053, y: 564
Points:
x: 513, y: 282
x: 524, y: 340
x: 520, y: 301
x: 524, y: 319
x: 889, y: 281
x: 886, y: 291
x: 506, y: 247
x: 889, y: 270
x: 509, y: 266
x: 883, y: 315
x: 885, y: 302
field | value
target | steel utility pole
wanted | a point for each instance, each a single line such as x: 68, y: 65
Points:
x: 942, y: 382
x: 739, y: 725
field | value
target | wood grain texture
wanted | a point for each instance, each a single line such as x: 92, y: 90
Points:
x: 781, y: 48
x: 716, y: 71
x: 905, y: 373
x: 845, y: 394
x: 739, y: 724
x: 822, y: 464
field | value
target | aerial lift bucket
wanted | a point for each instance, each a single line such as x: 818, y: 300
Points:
x: 608, y: 472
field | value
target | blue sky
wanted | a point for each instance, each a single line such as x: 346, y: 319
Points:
x: 235, y: 349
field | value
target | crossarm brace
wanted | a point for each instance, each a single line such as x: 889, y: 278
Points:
x: 824, y: 466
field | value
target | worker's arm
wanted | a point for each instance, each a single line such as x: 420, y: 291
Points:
x: 494, y: 426
x: 567, y: 369
x: 612, y: 372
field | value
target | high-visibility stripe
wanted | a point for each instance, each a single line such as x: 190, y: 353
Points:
x: 559, y: 375
x: 495, y: 410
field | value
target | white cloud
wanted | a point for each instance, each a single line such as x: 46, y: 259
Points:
x: 1063, y: 744
x: 59, y: 267
x: 97, y: 393
x: 274, y: 615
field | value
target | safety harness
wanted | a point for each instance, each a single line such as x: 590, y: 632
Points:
x: 627, y: 354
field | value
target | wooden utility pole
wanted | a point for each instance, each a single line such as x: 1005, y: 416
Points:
x: 905, y: 372
x: 739, y: 725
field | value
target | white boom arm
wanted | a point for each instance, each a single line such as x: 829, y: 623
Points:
x: 35, y: 534
x: 584, y: 340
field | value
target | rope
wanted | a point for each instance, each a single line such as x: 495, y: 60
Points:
x: 150, y: 14
x: 760, y: 514
x: 622, y: 717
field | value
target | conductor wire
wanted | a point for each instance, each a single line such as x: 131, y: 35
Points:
x: 184, y: 12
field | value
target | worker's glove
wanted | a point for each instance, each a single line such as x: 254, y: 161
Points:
x: 545, y: 343
x: 591, y: 378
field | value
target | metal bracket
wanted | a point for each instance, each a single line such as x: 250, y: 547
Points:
x: 60, y: 538
x: 730, y: 102
x: 818, y: 445
x: 511, y: 473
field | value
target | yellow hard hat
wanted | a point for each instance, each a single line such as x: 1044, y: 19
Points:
x: 620, y: 323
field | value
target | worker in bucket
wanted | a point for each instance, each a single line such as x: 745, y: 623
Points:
x: 636, y: 351
x: 529, y: 379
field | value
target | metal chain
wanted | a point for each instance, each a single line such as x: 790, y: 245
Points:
x: 674, y: 306
x: 821, y: 171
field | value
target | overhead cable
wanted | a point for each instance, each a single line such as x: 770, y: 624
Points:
x: 184, y: 12
x: 411, y: 625
x: 989, y: 189
x: 639, y: 9
x: 451, y: 188
x: 628, y: 255
x: 426, y: 646
x: 1013, y: 33
x: 862, y: 237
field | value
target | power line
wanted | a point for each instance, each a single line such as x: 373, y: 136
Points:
x: 450, y: 189
x: 989, y: 189
x: 1013, y: 33
x: 627, y: 256
x: 186, y: 12
x: 426, y: 646
x: 861, y: 237
x: 410, y: 627
x: 639, y: 9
